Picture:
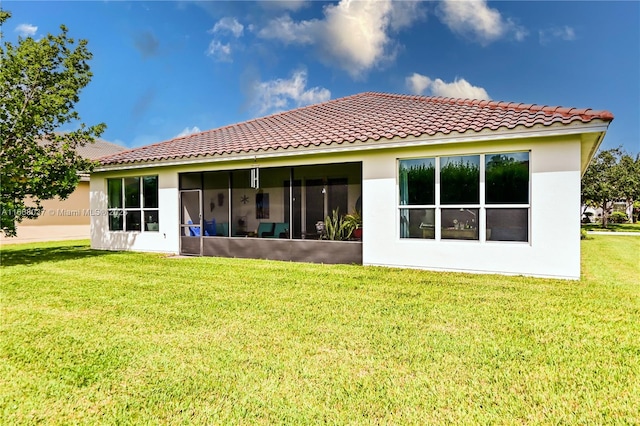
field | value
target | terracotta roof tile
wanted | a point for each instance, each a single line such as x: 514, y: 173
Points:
x: 361, y: 117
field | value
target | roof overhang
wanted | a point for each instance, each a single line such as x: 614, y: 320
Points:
x: 589, y: 144
x: 591, y: 136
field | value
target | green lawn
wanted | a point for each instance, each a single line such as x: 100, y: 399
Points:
x: 123, y: 338
x: 613, y: 227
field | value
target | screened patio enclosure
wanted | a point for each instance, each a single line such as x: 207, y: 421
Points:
x: 270, y: 213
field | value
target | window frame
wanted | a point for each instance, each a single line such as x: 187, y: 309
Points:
x: 140, y: 210
x: 425, y: 207
x: 481, y: 207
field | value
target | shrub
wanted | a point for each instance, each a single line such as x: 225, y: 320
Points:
x: 619, y: 217
x: 354, y: 219
x: 336, y: 228
x: 583, y: 234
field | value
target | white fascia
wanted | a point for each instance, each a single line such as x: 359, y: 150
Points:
x: 368, y: 145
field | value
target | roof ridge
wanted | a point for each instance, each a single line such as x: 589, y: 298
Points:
x: 359, y: 117
x: 516, y: 106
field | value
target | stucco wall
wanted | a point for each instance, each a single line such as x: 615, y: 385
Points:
x: 60, y: 219
x: 165, y: 240
x: 74, y: 210
x: 553, y: 249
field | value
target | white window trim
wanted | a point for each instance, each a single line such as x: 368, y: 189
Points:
x: 140, y: 209
x: 482, y: 206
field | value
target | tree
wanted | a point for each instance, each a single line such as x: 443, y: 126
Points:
x: 629, y: 184
x: 612, y: 175
x: 39, y: 85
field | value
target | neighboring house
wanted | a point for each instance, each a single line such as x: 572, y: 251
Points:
x: 442, y: 184
x: 595, y: 213
x: 69, y: 218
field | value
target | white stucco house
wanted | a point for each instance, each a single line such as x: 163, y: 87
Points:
x: 441, y: 184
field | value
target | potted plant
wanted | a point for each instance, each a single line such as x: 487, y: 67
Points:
x: 354, y: 219
x: 337, y: 227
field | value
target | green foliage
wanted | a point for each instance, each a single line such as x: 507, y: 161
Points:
x: 583, y: 234
x: 629, y: 178
x: 613, y: 227
x: 611, y: 175
x: 421, y: 184
x: 354, y: 218
x: 619, y: 217
x: 460, y: 183
x: 507, y: 180
x: 137, y: 338
x: 337, y: 228
x: 40, y: 81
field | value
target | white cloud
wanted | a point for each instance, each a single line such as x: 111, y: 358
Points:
x: 565, y: 33
x: 353, y: 35
x: 188, y: 131
x: 285, y: 4
x: 228, y: 25
x: 405, y: 13
x: 290, y: 32
x: 520, y: 33
x: 26, y: 30
x: 356, y: 34
x: 281, y: 94
x: 219, y: 51
x: 418, y: 84
x: 475, y: 19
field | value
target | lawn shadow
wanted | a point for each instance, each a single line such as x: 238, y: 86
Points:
x: 31, y: 256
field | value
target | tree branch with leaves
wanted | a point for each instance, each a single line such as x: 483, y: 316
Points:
x: 613, y: 175
x: 40, y: 83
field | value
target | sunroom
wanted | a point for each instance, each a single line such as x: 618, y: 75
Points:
x: 277, y: 213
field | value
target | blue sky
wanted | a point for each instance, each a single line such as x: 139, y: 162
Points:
x: 162, y: 69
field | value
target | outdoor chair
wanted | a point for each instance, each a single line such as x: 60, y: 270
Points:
x: 210, y: 228
x: 222, y: 229
x: 194, y: 231
x: 265, y: 229
x: 281, y: 230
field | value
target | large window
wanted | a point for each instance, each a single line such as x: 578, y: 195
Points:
x: 507, y: 196
x: 418, y: 190
x: 465, y: 197
x: 133, y: 204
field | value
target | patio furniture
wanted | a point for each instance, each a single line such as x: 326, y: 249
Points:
x: 281, y: 230
x: 265, y: 229
x: 194, y: 231
x: 222, y: 229
x: 210, y: 228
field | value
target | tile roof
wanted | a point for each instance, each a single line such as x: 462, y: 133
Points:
x: 99, y: 148
x: 360, y: 117
x: 93, y: 151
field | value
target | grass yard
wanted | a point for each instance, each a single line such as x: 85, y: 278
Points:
x: 123, y: 338
x: 613, y: 227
